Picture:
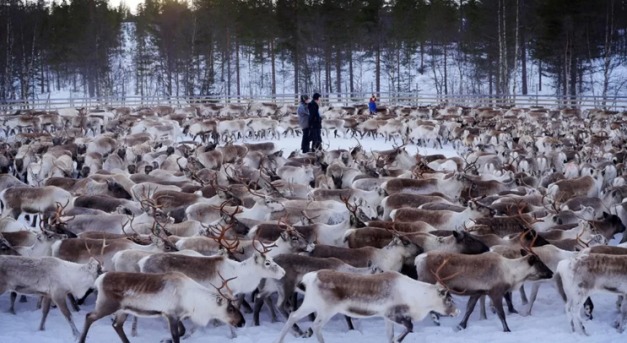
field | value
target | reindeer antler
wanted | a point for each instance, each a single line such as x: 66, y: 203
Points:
x: 225, y: 285
x: 223, y: 242
x: 443, y: 280
x: 102, y: 249
x: 528, y: 247
x: 265, y: 247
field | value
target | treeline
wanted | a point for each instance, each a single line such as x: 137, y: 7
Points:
x: 241, y: 47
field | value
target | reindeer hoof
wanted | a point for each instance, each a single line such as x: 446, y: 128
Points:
x: 513, y: 311
x: 308, y: 334
x: 459, y: 327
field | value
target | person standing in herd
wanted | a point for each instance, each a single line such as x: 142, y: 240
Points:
x: 315, y: 122
x: 303, y: 120
x: 372, y: 104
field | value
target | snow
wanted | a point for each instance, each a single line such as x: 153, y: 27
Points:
x: 547, y: 322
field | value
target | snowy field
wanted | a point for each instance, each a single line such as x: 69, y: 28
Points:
x: 546, y: 324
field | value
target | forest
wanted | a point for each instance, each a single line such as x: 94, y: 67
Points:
x: 248, y: 47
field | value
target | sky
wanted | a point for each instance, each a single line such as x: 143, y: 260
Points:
x: 132, y: 4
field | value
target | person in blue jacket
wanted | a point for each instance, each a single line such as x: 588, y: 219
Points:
x: 372, y: 104
x: 303, y: 121
x: 315, y: 122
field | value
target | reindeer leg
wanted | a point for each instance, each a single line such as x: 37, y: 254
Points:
x: 243, y: 303
x: 389, y: 330
x: 523, y: 295
x: 12, y: 307
x: 508, y: 301
x: 349, y: 322
x: 409, y: 327
x: 497, y: 300
x: 73, y: 302
x: 99, y: 312
x: 534, y: 294
x: 273, y: 316
x: 45, y: 308
x: 118, y: 326
x: 173, y: 323
x: 259, y: 300
x: 620, y: 327
x: 81, y: 301
x: 472, y: 302
x: 321, y: 320
x: 435, y: 318
x: 297, y: 315
x: 482, y: 312
x: 134, y: 326
x: 59, y: 300
x: 588, y: 307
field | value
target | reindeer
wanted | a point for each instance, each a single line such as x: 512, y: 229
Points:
x: 174, y: 296
x: 476, y: 275
x: 15, y: 200
x: 390, y: 257
x: 48, y: 276
x: 442, y: 219
x: 586, y: 273
x: 390, y: 295
x: 295, y: 267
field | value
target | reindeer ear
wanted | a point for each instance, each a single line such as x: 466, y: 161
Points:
x: 219, y: 301
x: 605, y: 214
x: 472, y: 205
x: 284, y: 236
x: 524, y: 252
x: 458, y: 235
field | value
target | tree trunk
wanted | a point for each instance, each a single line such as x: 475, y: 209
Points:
x: 237, y: 69
x: 227, y: 54
x: 338, y: 73
x: 378, y: 68
x: 296, y: 69
x: 350, y: 71
x: 273, y: 68
x: 540, y: 76
x: 445, y: 56
x: 523, y: 52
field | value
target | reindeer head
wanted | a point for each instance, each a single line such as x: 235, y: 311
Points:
x: 6, y: 248
x: 225, y: 303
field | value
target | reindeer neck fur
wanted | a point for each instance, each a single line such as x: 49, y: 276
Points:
x: 282, y: 247
x: 430, y: 242
x: 421, y: 297
x: 552, y: 255
x: 332, y: 234
x: 259, y: 211
x: 458, y: 219
x: 515, y: 271
x: 389, y: 258
x: 39, y: 247
x: 247, y: 273
x: 194, y: 298
x: 78, y: 283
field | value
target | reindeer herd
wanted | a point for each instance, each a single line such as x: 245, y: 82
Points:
x: 193, y: 214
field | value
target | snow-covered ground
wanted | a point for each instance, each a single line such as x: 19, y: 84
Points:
x: 546, y: 324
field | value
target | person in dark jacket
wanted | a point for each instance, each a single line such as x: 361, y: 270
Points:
x: 303, y: 121
x: 315, y: 123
